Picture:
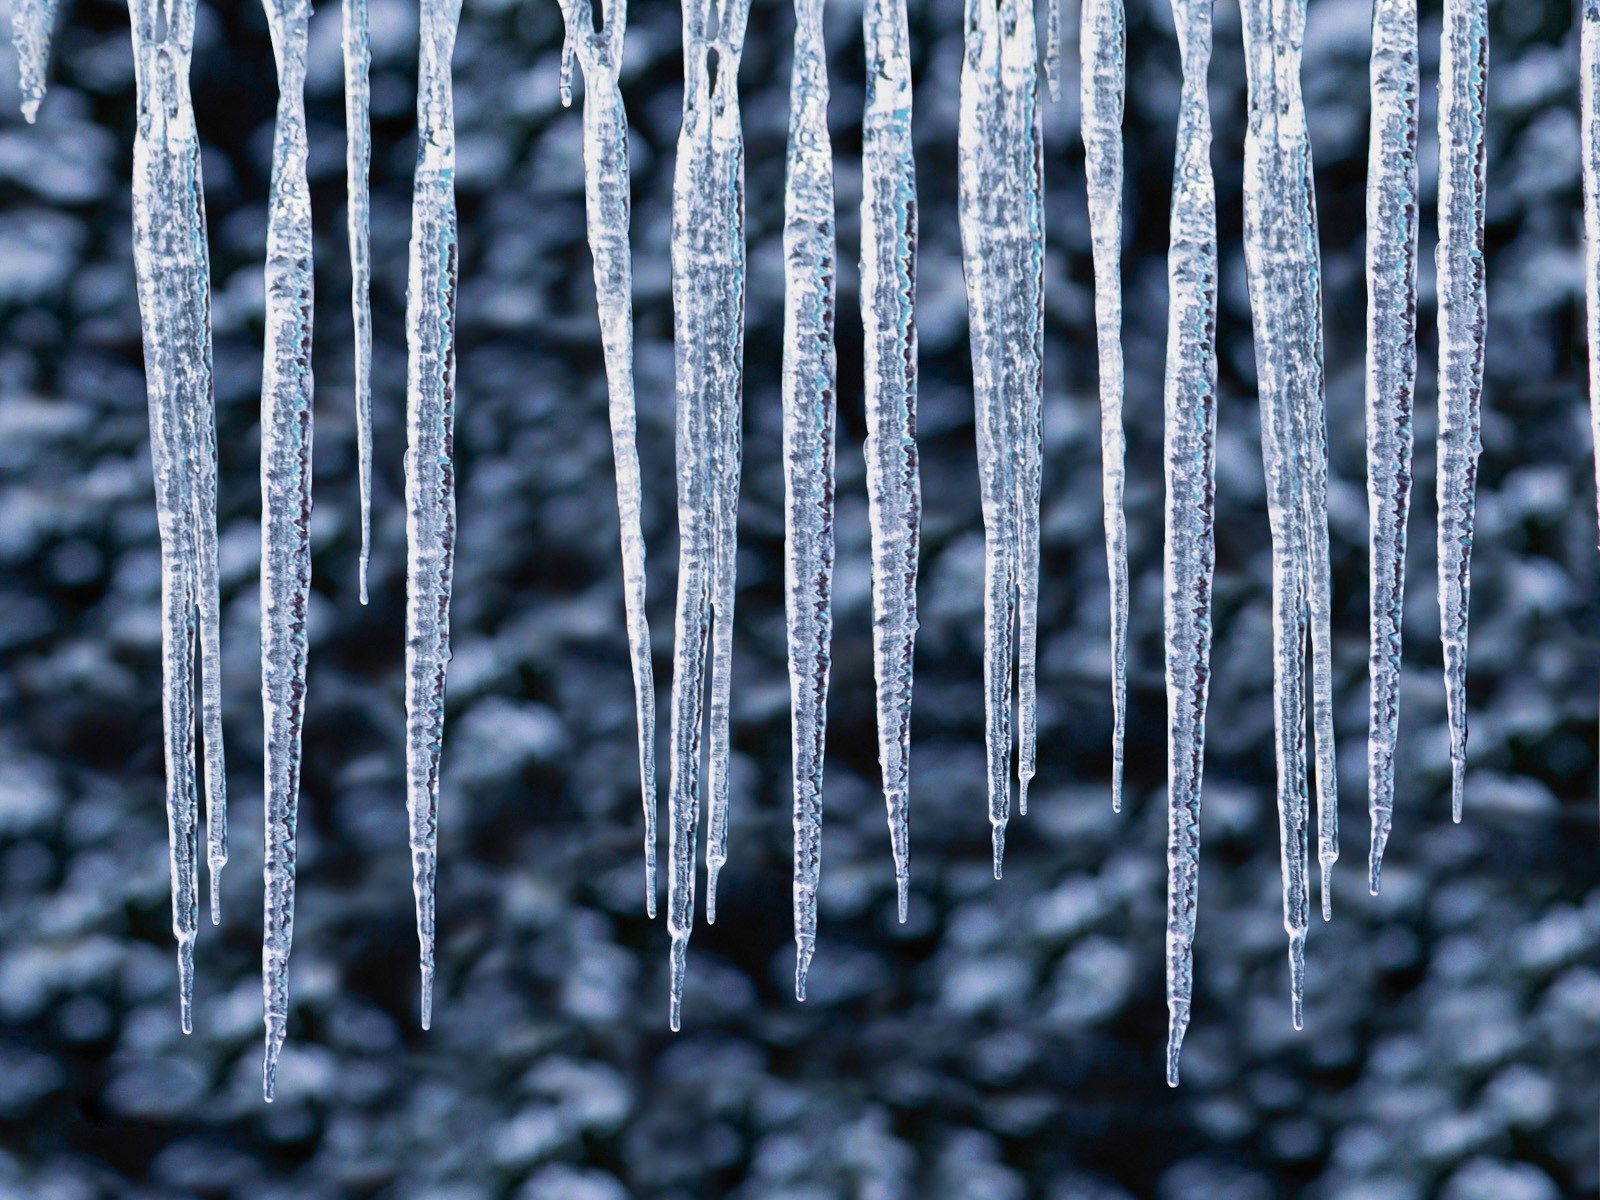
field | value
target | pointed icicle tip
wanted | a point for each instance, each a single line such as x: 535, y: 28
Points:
x: 1177, y: 1026
x: 1297, y: 979
x: 1327, y: 890
x: 680, y: 952
x: 363, y: 581
x: 1375, y: 861
x: 427, y: 997
x: 999, y: 839
x: 712, y: 871
x: 216, y: 894
x: 804, y: 949
x: 1116, y: 783
x: 186, y: 983
x: 650, y: 891
x: 30, y: 109
x: 902, y: 896
x: 1022, y: 797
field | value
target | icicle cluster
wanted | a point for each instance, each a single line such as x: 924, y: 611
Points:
x: 809, y: 372
x: 1002, y: 241
x: 1191, y: 428
x: 1463, y: 323
x: 430, y: 473
x: 606, y: 186
x: 889, y: 368
x: 1391, y: 383
x: 708, y: 268
x: 174, y: 283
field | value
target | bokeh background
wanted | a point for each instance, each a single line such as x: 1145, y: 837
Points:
x: 1004, y: 1043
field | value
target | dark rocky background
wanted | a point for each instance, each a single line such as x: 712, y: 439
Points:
x: 1006, y: 1042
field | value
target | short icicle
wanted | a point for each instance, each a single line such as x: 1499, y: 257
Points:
x: 173, y: 275
x: 286, y: 390
x: 708, y: 268
x: 809, y: 376
x: 32, y: 24
x: 606, y: 187
x: 430, y: 469
x: 1002, y: 238
x: 889, y: 358
x: 1463, y: 324
x: 358, y: 164
x: 1190, y: 556
x: 1391, y: 384
x: 1103, y: 46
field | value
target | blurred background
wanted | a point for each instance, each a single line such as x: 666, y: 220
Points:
x: 1007, y: 1041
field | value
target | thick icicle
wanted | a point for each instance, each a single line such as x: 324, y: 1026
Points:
x: 358, y: 163
x: 1002, y: 238
x: 1589, y: 94
x: 285, y: 508
x: 1103, y: 45
x: 605, y: 135
x: 708, y: 309
x: 430, y: 472
x: 1463, y: 322
x: 889, y: 361
x: 173, y: 272
x: 1280, y: 255
x: 1391, y: 382
x: 809, y: 376
x: 1191, y: 423
x: 32, y: 23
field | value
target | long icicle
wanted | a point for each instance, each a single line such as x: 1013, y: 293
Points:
x: 173, y: 272
x: 889, y: 360
x: 1589, y: 95
x: 1391, y: 383
x: 358, y: 164
x: 32, y: 24
x: 286, y: 390
x: 1103, y: 49
x: 606, y: 187
x: 1002, y: 237
x: 430, y: 471
x: 1190, y: 557
x: 708, y: 317
x: 1463, y: 320
x: 809, y: 376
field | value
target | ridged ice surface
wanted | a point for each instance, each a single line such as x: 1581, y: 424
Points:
x: 1391, y: 383
x: 1002, y: 240
x: 708, y: 269
x: 809, y: 373
x: 1284, y: 267
x: 1190, y: 557
x: 285, y: 508
x: 32, y: 23
x: 889, y: 365
x: 430, y: 471
x: 1463, y: 320
x: 173, y: 272
x: 358, y: 218
x: 1103, y: 47
x: 606, y: 187
x: 1589, y: 89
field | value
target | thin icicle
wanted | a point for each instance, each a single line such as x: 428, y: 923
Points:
x: 358, y: 163
x: 1052, y: 49
x: 32, y: 24
x: 1589, y: 89
x: 1463, y: 322
x: 1002, y: 238
x: 1391, y: 382
x: 809, y: 376
x: 430, y: 472
x: 889, y: 360
x: 1191, y: 423
x: 285, y: 508
x: 708, y: 310
x: 606, y: 179
x: 1103, y: 46
x: 173, y: 273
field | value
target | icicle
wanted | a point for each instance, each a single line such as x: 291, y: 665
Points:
x: 1391, y: 381
x: 1589, y: 87
x: 1463, y: 317
x: 1002, y: 238
x: 889, y: 355
x: 1052, y: 50
x: 1191, y: 424
x: 430, y: 473
x: 605, y: 132
x: 809, y: 375
x: 32, y: 23
x: 285, y: 507
x: 1283, y: 268
x: 708, y: 308
x: 358, y: 163
x: 1103, y: 45
x: 566, y: 67
x: 173, y: 272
